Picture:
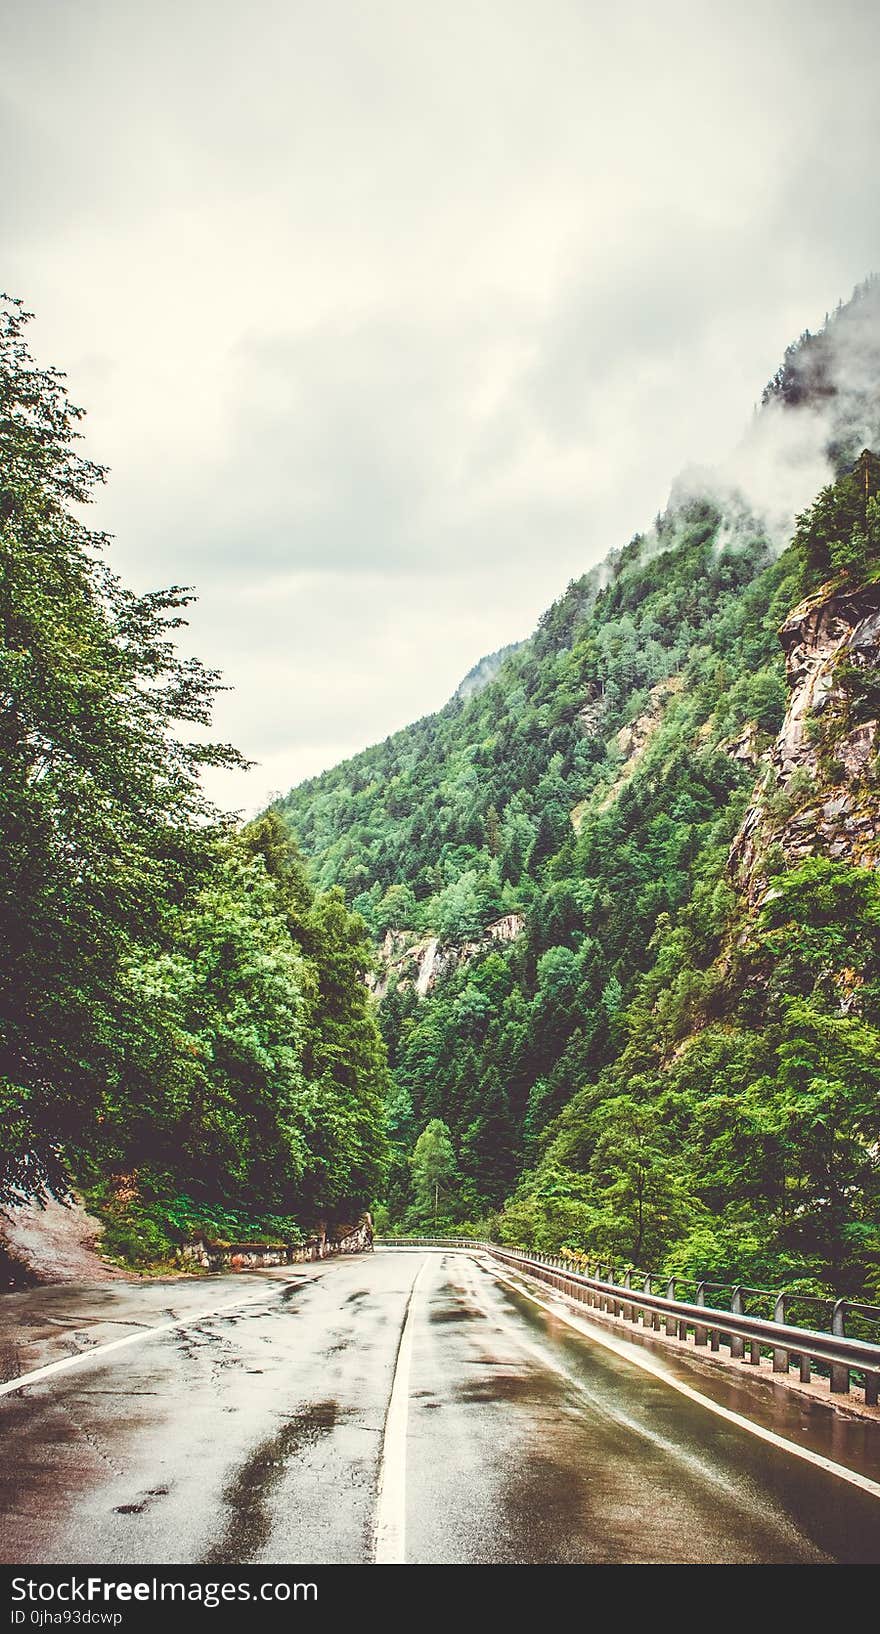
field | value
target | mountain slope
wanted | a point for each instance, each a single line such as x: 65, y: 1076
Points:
x: 484, y: 671
x: 735, y: 1131
x: 596, y: 786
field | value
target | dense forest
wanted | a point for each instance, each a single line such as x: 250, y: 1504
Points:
x: 671, y: 1063
x: 185, y: 1033
x: 590, y: 958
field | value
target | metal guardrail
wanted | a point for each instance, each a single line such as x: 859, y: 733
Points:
x: 745, y: 1334
x: 433, y: 1242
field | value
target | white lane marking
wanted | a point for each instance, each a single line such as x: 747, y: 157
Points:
x: 390, y: 1532
x: 51, y: 1368
x: 648, y: 1365
x: 702, y: 1467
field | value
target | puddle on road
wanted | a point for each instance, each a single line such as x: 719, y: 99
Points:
x: 812, y: 1423
x: 456, y: 1313
x: 806, y: 1512
x: 142, y: 1503
x: 247, y: 1495
x: 527, y: 1386
x: 291, y: 1288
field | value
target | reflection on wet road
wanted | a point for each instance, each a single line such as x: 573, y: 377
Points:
x: 257, y: 1435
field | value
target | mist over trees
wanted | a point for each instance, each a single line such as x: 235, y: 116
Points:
x: 651, y: 1070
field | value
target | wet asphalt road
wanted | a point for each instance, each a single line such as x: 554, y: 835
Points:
x: 256, y: 1435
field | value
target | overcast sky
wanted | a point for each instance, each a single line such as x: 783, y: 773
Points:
x: 390, y: 318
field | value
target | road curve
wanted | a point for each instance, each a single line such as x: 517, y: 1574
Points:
x: 397, y: 1407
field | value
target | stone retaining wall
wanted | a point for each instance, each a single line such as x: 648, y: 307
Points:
x: 253, y: 1256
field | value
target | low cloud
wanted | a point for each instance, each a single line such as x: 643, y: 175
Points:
x: 816, y: 419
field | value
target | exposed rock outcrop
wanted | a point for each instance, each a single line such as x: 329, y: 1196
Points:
x: 744, y: 748
x: 819, y: 795
x: 632, y: 740
x: 419, y: 961
x: 55, y: 1242
x: 592, y: 712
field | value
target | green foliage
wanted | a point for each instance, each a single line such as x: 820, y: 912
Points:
x: 646, y: 1072
x: 433, y: 1170
x: 147, y: 1229
x: 840, y: 533
x: 177, y: 1004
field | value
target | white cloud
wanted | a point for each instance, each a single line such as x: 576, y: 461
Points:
x: 390, y: 319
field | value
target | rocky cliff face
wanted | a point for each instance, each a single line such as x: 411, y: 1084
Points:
x: 819, y: 793
x: 419, y: 962
x: 632, y: 741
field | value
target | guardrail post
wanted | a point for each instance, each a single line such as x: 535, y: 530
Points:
x: 701, y: 1334
x: 670, y: 1320
x: 872, y: 1386
x: 839, y: 1373
x: 781, y: 1358
x: 629, y: 1311
x: 737, y: 1347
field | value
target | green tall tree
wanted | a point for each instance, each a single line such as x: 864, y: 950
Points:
x: 344, y: 1059
x: 102, y: 818
x: 433, y: 1169
x: 176, y: 1001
